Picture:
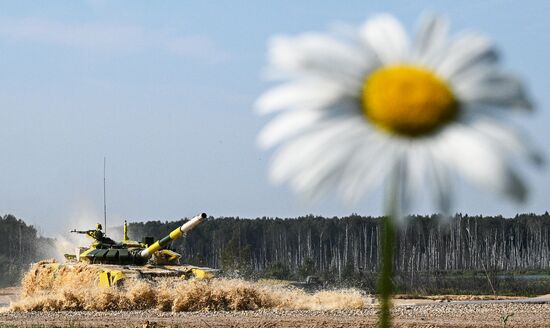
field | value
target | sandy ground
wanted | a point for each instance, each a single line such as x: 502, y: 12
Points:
x: 435, y: 312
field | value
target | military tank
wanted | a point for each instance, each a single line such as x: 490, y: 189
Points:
x: 116, y: 261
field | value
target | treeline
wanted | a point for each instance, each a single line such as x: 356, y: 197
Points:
x: 465, y: 252
x: 348, y: 247
x: 21, y: 246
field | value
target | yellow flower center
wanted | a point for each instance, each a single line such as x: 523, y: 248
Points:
x: 407, y: 100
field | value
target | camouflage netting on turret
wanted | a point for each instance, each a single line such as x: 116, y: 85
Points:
x: 74, y: 288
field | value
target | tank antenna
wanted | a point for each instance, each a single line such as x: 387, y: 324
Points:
x: 104, y: 197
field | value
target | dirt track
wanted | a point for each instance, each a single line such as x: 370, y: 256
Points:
x: 431, y: 315
x: 407, y: 313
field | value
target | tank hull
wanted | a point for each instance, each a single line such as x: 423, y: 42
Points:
x: 109, y: 275
x: 113, y: 275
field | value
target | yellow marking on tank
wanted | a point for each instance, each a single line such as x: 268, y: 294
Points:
x: 84, y: 255
x: 176, y: 234
x: 110, y: 278
x: 202, y: 274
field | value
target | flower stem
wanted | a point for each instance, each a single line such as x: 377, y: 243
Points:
x: 385, y: 285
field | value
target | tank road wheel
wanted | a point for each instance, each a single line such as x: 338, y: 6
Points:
x: 110, y: 278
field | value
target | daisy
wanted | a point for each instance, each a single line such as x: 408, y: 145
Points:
x: 374, y: 107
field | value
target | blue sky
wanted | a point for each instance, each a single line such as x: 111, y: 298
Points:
x: 165, y: 90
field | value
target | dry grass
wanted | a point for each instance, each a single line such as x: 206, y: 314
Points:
x: 75, y: 288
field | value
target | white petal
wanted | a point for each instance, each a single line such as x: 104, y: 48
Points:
x: 398, y: 197
x: 492, y: 87
x: 507, y: 138
x: 328, y: 163
x: 386, y: 38
x: 295, y: 122
x: 431, y: 40
x: 318, y: 55
x: 422, y: 172
x: 368, y: 167
x: 322, y: 187
x: 287, y: 125
x: 440, y: 178
x: 298, y: 153
x: 416, y: 156
x: 476, y: 160
x: 333, y: 160
x: 465, y: 53
x: 291, y: 156
x: 299, y: 94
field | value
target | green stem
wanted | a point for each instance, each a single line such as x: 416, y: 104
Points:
x: 385, y: 283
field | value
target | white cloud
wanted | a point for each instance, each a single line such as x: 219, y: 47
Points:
x: 108, y: 38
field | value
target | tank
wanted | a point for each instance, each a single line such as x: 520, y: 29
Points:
x: 116, y: 261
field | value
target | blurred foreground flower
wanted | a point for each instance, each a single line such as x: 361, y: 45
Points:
x: 374, y: 107
x: 358, y: 110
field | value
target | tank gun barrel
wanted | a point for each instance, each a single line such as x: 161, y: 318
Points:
x: 177, y: 233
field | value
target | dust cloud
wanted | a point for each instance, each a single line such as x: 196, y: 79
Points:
x: 50, y: 287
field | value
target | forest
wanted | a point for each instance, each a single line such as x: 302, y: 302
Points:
x: 21, y: 246
x: 484, y: 254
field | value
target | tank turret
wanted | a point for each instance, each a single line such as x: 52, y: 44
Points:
x: 106, y: 251
x: 117, y: 261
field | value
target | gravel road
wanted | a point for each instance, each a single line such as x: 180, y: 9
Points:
x: 427, y: 315
x: 534, y: 312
